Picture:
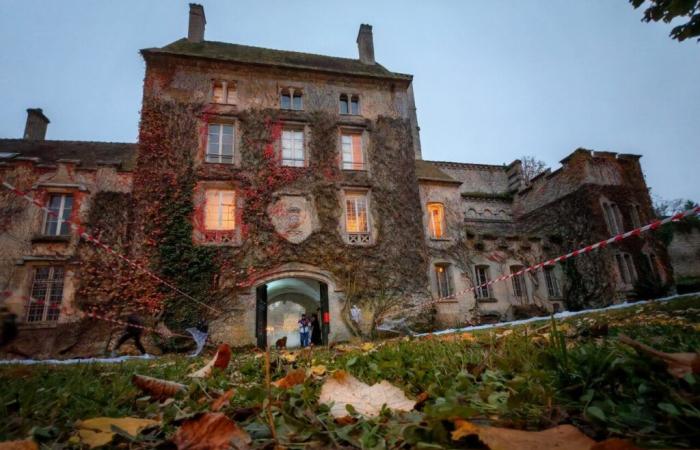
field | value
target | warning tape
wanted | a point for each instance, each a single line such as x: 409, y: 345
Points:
x: 78, y: 228
x: 550, y: 262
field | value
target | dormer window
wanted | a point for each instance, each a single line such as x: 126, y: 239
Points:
x: 349, y: 104
x: 291, y: 98
x: 57, y: 218
x: 224, y: 92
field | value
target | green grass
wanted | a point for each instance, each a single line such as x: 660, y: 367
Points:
x: 529, y: 377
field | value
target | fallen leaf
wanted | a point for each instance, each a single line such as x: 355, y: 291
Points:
x: 289, y: 357
x: 614, y: 444
x: 99, y: 431
x: 291, y: 379
x: 563, y: 437
x: 157, y: 388
x: 222, y: 401
x: 677, y: 364
x: 211, y: 431
x: 345, y: 420
x: 19, y: 445
x: 367, y: 346
x: 220, y: 360
x: 420, y: 400
x: 319, y: 370
x: 343, y: 389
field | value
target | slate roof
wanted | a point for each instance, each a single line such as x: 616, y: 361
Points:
x: 427, y: 171
x: 89, y: 153
x: 223, y: 51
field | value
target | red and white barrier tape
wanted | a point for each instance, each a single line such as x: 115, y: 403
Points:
x: 77, y: 227
x: 550, y: 262
x: 94, y: 315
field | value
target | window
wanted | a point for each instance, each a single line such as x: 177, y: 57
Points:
x: 356, y: 218
x: 291, y: 99
x: 519, y: 287
x: 349, y: 104
x: 220, y: 210
x: 636, y: 217
x: 47, y: 294
x: 224, y: 92
x: 293, y: 148
x: 613, y: 217
x: 482, y: 277
x: 444, y: 281
x: 550, y: 278
x: 436, y: 213
x: 56, y: 222
x: 220, y: 143
x: 353, y: 158
x: 625, y: 266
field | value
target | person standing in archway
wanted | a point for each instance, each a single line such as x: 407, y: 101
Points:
x: 316, y: 329
x: 304, y: 328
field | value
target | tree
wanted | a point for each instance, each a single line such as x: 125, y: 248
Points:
x: 665, y: 208
x: 532, y: 167
x: 668, y: 10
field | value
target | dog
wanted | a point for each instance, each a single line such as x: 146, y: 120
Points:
x: 281, y: 343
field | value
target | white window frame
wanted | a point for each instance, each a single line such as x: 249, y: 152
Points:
x: 220, y: 209
x: 482, y: 275
x: 357, y: 237
x: 551, y: 282
x: 431, y: 220
x: 42, y: 304
x: 519, y: 283
x: 220, y: 157
x: 226, y: 90
x: 293, y: 161
x: 444, y: 287
x: 351, y: 164
x: 48, y: 218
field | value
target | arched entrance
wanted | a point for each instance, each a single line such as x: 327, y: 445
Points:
x: 280, y: 303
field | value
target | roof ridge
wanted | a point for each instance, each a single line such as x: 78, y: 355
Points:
x: 68, y: 141
x: 457, y: 163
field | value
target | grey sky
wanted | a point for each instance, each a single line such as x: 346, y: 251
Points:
x: 494, y: 80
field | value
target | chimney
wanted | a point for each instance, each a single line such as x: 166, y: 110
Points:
x: 35, y: 129
x: 365, y: 44
x: 195, y: 33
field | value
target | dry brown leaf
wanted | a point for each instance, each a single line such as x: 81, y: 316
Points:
x: 291, y: 379
x: 211, y: 431
x: 563, y: 437
x: 222, y: 401
x: 677, y: 364
x: 19, y: 445
x: 319, y: 370
x: 157, y: 388
x: 220, y: 360
x: 343, y: 389
x: 421, y: 399
x: 615, y: 444
x: 345, y: 420
x: 98, y: 431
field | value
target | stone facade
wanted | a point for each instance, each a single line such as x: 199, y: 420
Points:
x: 299, y: 180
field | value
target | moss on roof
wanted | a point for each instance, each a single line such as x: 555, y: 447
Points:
x: 89, y: 153
x: 257, y: 55
x: 427, y: 171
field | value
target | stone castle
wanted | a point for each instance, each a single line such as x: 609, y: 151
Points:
x: 269, y: 183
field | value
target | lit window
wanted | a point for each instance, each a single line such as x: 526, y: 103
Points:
x: 56, y: 222
x: 436, y: 212
x: 550, y: 279
x: 220, y: 210
x: 519, y: 287
x: 356, y: 218
x: 482, y: 277
x: 444, y: 281
x: 349, y: 104
x: 224, y: 92
x: 47, y: 294
x: 293, y: 148
x: 220, y: 143
x: 353, y: 158
x: 291, y: 99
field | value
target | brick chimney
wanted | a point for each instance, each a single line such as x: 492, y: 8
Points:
x: 365, y: 44
x: 195, y: 33
x: 37, y: 122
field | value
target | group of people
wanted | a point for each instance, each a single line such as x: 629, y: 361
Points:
x: 310, y: 330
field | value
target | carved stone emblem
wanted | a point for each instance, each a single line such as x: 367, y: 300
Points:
x: 293, y: 216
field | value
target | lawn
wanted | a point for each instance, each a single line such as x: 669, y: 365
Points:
x: 530, y: 377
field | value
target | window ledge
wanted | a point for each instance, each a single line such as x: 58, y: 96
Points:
x: 37, y: 325
x: 43, y: 238
x: 441, y: 239
x: 487, y: 300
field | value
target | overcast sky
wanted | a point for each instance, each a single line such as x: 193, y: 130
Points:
x: 494, y: 80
